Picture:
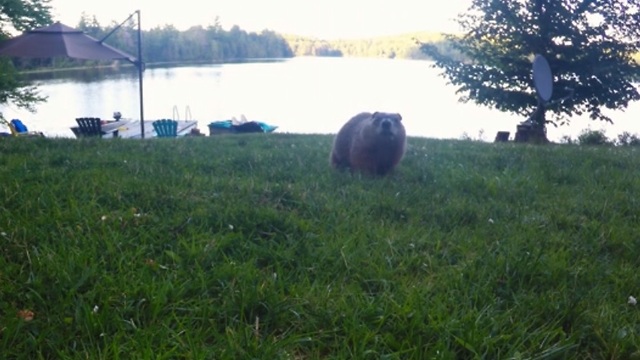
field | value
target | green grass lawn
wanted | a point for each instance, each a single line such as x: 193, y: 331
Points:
x: 250, y: 246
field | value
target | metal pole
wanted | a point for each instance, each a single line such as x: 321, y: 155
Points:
x: 138, y: 64
x: 140, y: 69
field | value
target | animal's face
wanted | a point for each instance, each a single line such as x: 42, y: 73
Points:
x: 387, y: 123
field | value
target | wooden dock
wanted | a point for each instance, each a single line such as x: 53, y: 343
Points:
x: 130, y: 129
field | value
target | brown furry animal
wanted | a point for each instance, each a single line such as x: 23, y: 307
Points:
x: 370, y: 143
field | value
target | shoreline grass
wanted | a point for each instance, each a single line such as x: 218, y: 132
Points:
x: 251, y: 247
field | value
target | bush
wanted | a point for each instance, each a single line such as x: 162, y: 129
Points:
x: 628, y: 139
x: 593, y: 137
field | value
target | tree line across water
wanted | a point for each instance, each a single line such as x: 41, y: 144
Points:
x: 212, y: 43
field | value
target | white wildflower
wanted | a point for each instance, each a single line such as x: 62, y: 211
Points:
x: 95, y: 309
x: 491, y: 221
x: 632, y: 301
x: 103, y: 218
x: 230, y: 227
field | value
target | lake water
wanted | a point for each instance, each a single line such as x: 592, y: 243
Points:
x: 299, y: 95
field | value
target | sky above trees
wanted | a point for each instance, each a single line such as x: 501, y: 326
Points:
x: 328, y: 19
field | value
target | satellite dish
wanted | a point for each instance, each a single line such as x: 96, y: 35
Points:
x: 542, y: 78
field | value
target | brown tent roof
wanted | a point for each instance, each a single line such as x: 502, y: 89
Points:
x: 59, y: 40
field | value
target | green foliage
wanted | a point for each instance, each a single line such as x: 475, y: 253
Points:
x: 566, y: 139
x: 22, y: 15
x: 589, y: 45
x: 240, y: 247
x: 598, y: 137
x: 628, y: 139
x: 19, y: 15
x: 210, y: 44
x: 593, y: 137
x: 403, y: 46
x: 12, y: 88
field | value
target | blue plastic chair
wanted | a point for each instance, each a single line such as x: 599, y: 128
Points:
x: 166, y: 128
x: 18, y: 128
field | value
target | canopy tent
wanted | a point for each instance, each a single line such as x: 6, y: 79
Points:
x: 59, y: 40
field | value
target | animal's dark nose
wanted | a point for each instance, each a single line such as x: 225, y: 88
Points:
x: 386, y: 124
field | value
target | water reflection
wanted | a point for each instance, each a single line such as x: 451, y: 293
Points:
x: 299, y: 95
x: 83, y: 75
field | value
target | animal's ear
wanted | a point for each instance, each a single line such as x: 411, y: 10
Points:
x: 374, y: 115
x: 399, y: 117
